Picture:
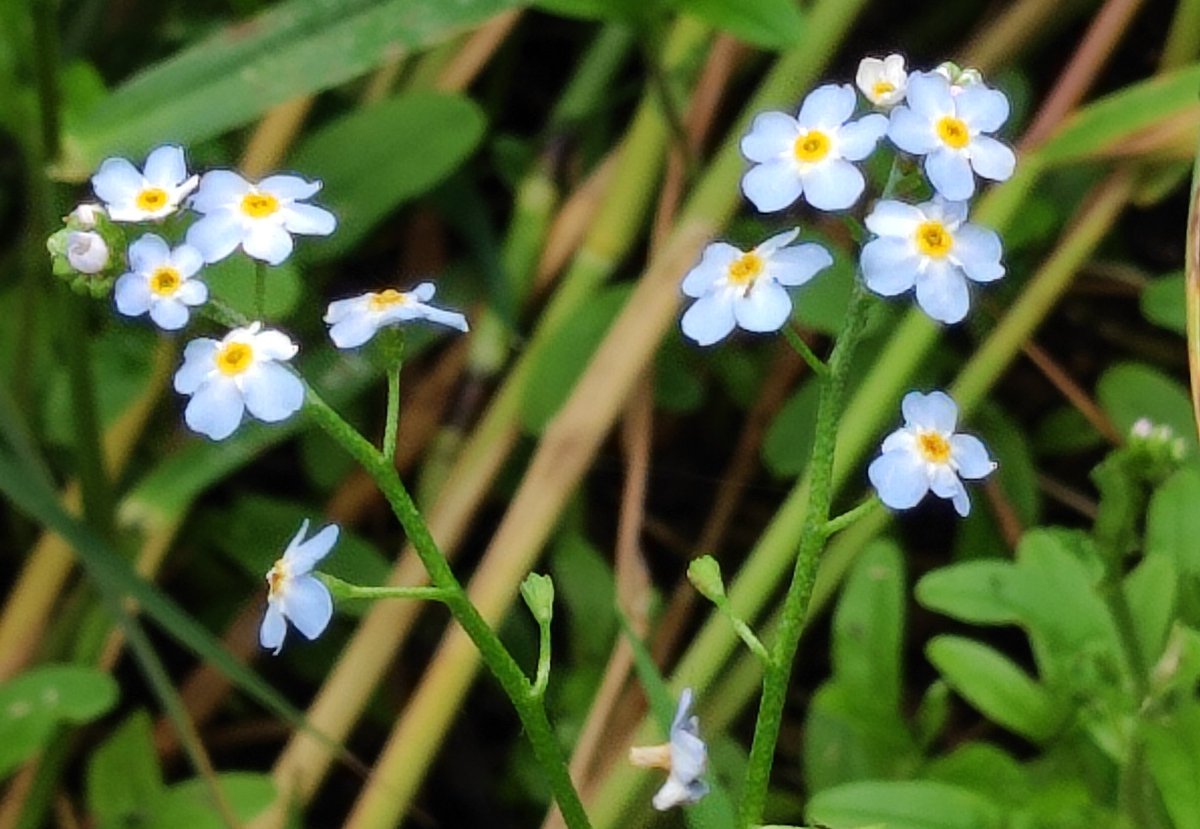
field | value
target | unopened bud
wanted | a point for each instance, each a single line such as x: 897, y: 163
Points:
x: 87, y: 252
x: 84, y: 216
x: 538, y: 592
x: 705, y: 575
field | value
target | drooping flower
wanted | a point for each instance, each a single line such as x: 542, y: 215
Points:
x: 260, y: 217
x: 294, y: 594
x: 933, y: 247
x: 952, y: 132
x: 927, y: 454
x: 356, y: 320
x: 746, y: 288
x: 87, y: 251
x: 883, y: 82
x: 810, y: 154
x: 157, y: 191
x: 160, y: 280
x: 684, y: 758
x: 242, y: 371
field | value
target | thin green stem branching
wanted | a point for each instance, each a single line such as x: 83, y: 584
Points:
x: 801, y: 347
x: 542, y: 680
x: 852, y: 516
x: 393, y: 414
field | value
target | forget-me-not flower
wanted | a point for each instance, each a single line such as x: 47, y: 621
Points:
x: 356, y: 320
x: 260, y: 217
x: 746, y: 288
x: 160, y: 281
x: 684, y: 758
x: 933, y: 247
x: 883, y: 82
x: 810, y: 154
x: 242, y: 371
x: 927, y: 454
x: 294, y: 594
x: 952, y: 132
x: 153, y: 193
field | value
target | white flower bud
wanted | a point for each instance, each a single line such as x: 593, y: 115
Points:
x: 85, y: 215
x: 87, y: 252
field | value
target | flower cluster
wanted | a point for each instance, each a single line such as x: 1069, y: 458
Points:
x: 247, y: 369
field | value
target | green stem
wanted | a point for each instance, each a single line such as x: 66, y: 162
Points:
x: 801, y: 347
x: 795, y: 608
x: 98, y: 501
x: 543, y: 666
x: 260, y: 290
x: 346, y: 590
x: 507, y: 672
x: 393, y: 414
x: 851, y: 516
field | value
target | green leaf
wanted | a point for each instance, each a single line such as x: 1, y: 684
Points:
x: 1065, y: 431
x: 904, y: 804
x: 774, y: 24
x: 1173, y: 754
x: 1173, y: 520
x: 789, y: 439
x: 188, y: 804
x: 1129, y: 391
x: 234, y: 281
x: 628, y: 11
x: 983, y: 768
x: 559, y: 364
x: 374, y: 159
x: 296, y: 48
x: 868, y: 628
x: 847, y: 738
x: 996, y: 686
x: 974, y: 591
x: 123, y: 777
x: 1163, y: 303
x: 1103, y: 126
x: 587, y: 589
x: 1150, y: 591
x: 35, y: 703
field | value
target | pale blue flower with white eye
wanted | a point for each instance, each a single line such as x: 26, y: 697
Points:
x: 160, y: 281
x: 154, y: 192
x: 810, y: 154
x: 684, y: 758
x: 356, y: 320
x: 242, y: 371
x: 952, y: 132
x: 260, y: 217
x: 933, y: 247
x: 746, y: 288
x: 927, y: 454
x: 294, y: 594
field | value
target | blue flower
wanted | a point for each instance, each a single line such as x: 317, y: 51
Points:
x: 810, y: 154
x: 950, y: 126
x: 356, y: 320
x: 160, y: 282
x: 684, y: 758
x: 154, y: 193
x: 933, y: 247
x: 294, y: 594
x: 926, y: 454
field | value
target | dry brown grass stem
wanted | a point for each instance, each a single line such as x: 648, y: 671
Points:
x: 475, y: 53
x: 1072, y: 391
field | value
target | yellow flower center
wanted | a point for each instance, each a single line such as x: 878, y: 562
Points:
x: 234, y: 358
x: 933, y: 447
x: 811, y: 147
x: 152, y: 198
x: 882, y: 88
x: 953, y: 132
x: 259, y: 205
x: 165, y: 281
x: 276, y: 578
x: 933, y: 239
x: 383, y: 300
x: 746, y: 268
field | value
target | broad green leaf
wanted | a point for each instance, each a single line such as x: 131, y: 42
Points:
x: 996, y: 686
x: 1173, y: 754
x: 35, y: 703
x: 974, y: 591
x: 1104, y: 126
x: 1173, y: 520
x: 1129, y: 391
x: 774, y: 24
x: 296, y: 48
x: 123, y: 777
x: 374, y: 159
x: 1164, y: 304
x: 904, y: 804
x: 587, y: 590
x: 559, y: 364
x: 1150, y: 591
x: 868, y: 628
x: 188, y: 804
x: 789, y: 440
x: 848, y: 738
x: 983, y: 768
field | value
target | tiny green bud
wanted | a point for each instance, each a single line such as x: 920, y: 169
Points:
x: 538, y: 592
x: 705, y: 575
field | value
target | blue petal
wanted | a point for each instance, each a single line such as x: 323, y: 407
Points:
x: 889, y: 265
x: 857, y: 140
x: 950, y: 174
x: 833, y: 185
x: 942, y: 293
x: 764, y: 308
x: 992, y: 159
x: 936, y: 411
x: 899, y: 478
x: 772, y: 186
x: 978, y: 250
x: 827, y: 107
x: 308, y: 606
x: 709, y: 319
x: 911, y: 132
x: 983, y: 109
x: 971, y: 457
x: 771, y: 135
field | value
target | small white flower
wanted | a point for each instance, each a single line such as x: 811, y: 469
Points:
x: 260, y: 217
x: 160, y: 281
x: 951, y: 132
x: 84, y: 216
x: 242, y: 371
x: 684, y: 758
x: 959, y: 78
x: 926, y: 454
x: 355, y: 320
x: 133, y: 196
x: 87, y: 251
x: 294, y: 594
x: 933, y: 247
x: 745, y: 288
x: 883, y: 82
x: 811, y: 153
